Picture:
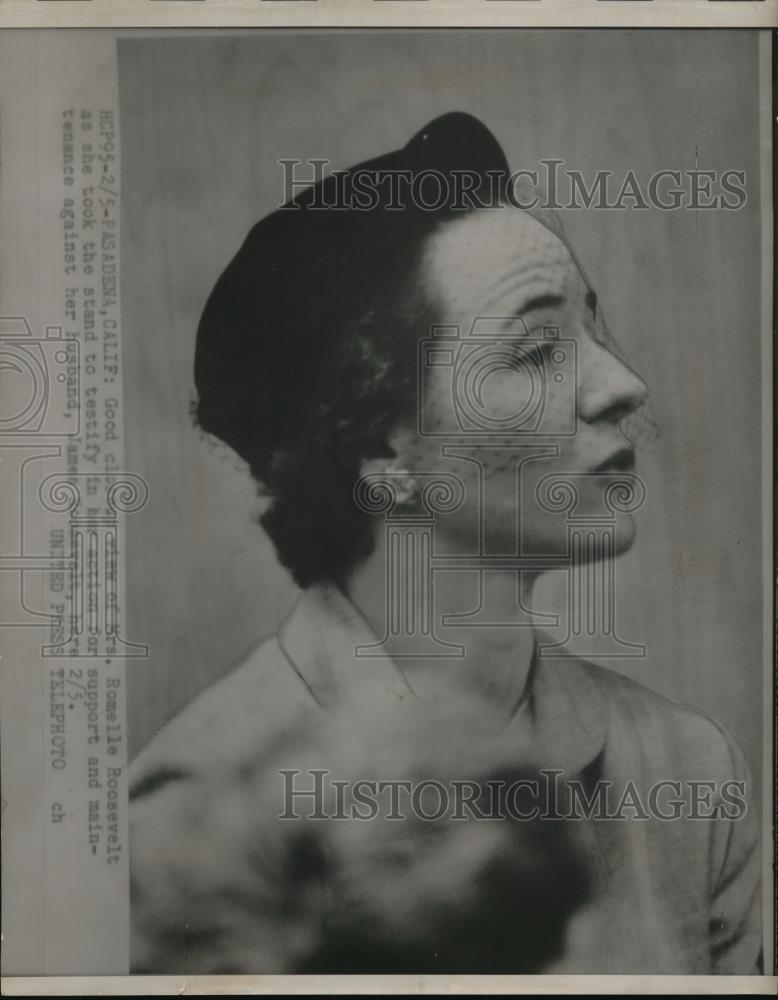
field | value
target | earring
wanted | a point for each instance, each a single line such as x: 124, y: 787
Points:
x: 405, y: 486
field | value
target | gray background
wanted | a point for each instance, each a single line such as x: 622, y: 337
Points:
x: 203, y: 121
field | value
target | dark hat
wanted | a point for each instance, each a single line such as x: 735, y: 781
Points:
x: 308, y: 271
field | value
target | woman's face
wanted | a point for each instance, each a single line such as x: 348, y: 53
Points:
x: 510, y: 393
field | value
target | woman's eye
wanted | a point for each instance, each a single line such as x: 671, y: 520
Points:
x: 530, y: 353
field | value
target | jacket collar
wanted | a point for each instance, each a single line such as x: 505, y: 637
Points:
x: 563, y: 713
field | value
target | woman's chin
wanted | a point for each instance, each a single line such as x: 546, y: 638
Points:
x: 596, y: 541
x: 625, y: 533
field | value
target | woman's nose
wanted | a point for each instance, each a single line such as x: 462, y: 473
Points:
x: 608, y: 388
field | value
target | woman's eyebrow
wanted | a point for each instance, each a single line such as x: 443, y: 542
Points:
x: 591, y: 300
x: 542, y: 302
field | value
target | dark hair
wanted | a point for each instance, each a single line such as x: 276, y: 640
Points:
x: 369, y: 381
x: 317, y: 528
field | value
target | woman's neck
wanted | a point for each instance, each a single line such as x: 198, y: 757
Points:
x: 491, y: 650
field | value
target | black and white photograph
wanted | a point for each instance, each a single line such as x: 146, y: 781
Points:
x: 356, y: 257
x: 396, y: 580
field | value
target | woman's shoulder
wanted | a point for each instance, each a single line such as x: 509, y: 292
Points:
x: 662, y: 730
x: 226, y: 725
x: 198, y: 802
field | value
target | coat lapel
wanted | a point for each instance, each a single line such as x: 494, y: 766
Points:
x: 563, y: 716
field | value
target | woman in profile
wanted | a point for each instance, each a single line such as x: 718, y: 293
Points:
x: 378, y: 367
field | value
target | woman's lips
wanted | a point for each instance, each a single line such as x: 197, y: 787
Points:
x: 622, y: 460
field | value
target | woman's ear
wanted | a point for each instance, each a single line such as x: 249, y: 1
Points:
x: 398, y: 452
x: 388, y: 474
x: 394, y: 470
